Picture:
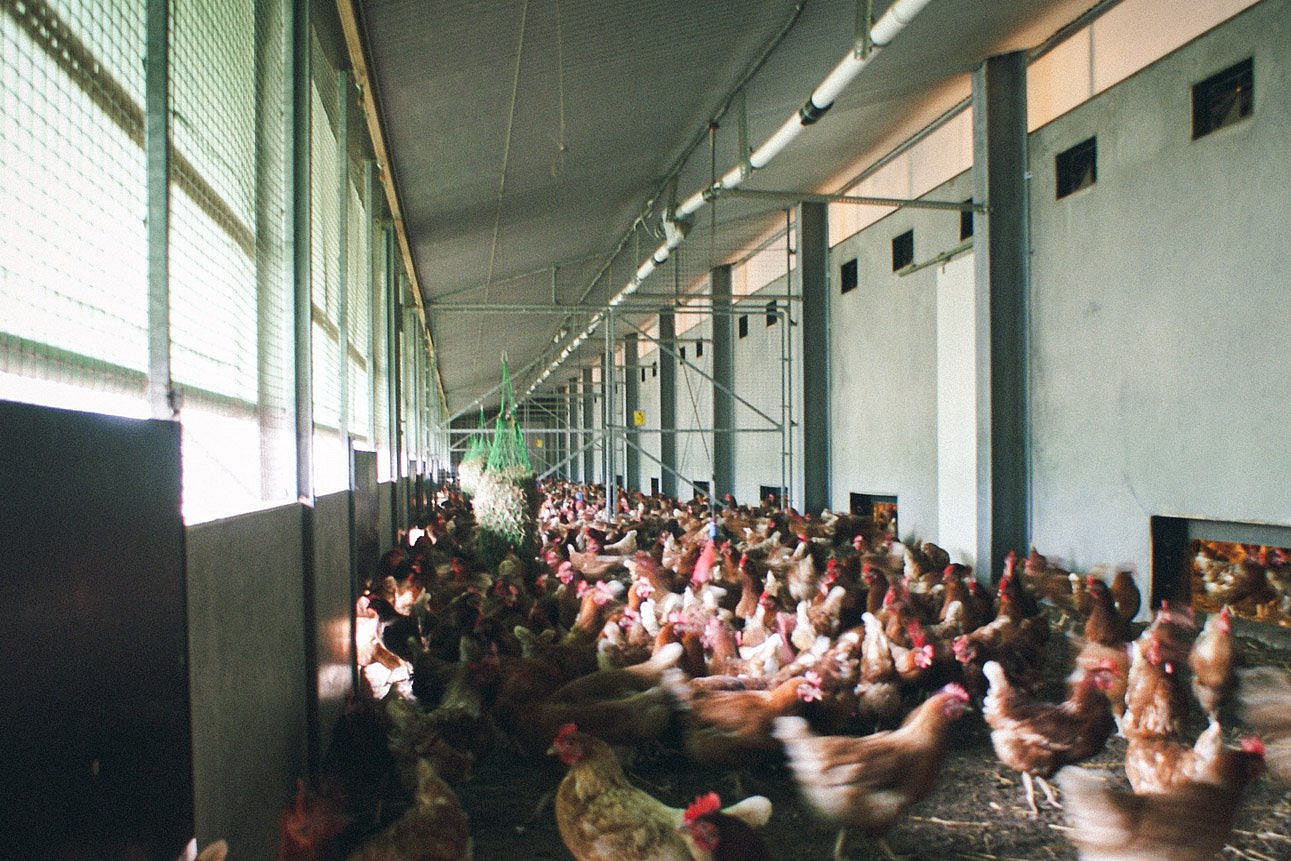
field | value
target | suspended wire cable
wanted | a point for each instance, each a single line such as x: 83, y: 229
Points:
x: 506, y: 159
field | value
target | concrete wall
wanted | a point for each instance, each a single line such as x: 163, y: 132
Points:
x: 1160, y: 320
x: 884, y: 357
x: 334, y: 634
x: 385, y: 527
x: 695, y: 403
x: 757, y: 369
x: 648, y: 397
x: 247, y: 666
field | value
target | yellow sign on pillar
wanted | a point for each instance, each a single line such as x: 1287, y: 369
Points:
x: 638, y: 418
x: 537, y: 443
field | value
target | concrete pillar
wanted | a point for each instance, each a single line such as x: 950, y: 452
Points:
x: 631, y: 403
x: 562, y: 441
x: 667, y: 403
x: 813, y: 270
x: 1002, y: 241
x: 575, y: 421
x: 723, y: 374
x: 589, y: 419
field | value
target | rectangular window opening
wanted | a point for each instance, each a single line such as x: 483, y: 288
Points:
x: 771, y: 313
x: 902, y: 250
x: 882, y: 508
x: 1077, y: 167
x: 966, y: 222
x: 744, y: 325
x: 1223, y: 99
x: 847, y: 276
x: 699, y: 349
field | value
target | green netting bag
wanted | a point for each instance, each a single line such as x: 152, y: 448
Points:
x: 475, y: 459
x: 506, y: 496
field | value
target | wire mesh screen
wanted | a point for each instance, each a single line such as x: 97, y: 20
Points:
x: 275, y: 306
x: 380, y: 364
x: 213, y: 288
x: 331, y: 463
x: 359, y: 307
x: 73, y: 267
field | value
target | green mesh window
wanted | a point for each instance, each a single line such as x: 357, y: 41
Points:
x: 73, y: 266
x: 359, y: 307
x: 380, y: 368
x: 331, y: 464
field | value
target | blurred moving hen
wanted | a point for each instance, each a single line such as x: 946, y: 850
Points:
x: 868, y: 782
x: 1037, y: 738
x: 1265, y: 696
x: 603, y: 817
x: 1190, y: 822
x: 1211, y: 660
x: 1161, y: 765
x: 434, y: 828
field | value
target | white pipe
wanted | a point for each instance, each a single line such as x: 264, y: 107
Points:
x: 837, y: 80
x: 889, y: 25
x: 899, y: 14
x: 773, y: 145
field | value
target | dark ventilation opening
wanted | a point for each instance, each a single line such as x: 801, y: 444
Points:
x: 699, y: 349
x: 966, y: 222
x: 701, y: 487
x: 902, y: 250
x: 682, y: 352
x: 769, y: 492
x: 643, y: 375
x: 1077, y: 167
x: 1208, y: 564
x: 744, y: 325
x: 654, y: 487
x: 618, y: 480
x: 654, y: 369
x: 847, y: 276
x: 771, y: 313
x: 882, y: 508
x: 1223, y: 99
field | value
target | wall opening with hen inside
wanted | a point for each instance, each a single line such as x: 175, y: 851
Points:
x: 1210, y: 564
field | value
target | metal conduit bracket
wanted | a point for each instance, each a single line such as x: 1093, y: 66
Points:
x: 864, y: 20
x: 810, y: 112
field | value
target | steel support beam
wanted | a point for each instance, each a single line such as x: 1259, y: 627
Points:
x: 299, y: 71
x: 813, y: 269
x: 589, y: 419
x: 607, y: 418
x: 157, y: 153
x: 631, y: 403
x: 724, y: 385
x: 667, y: 403
x: 1002, y: 239
x: 853, y: 199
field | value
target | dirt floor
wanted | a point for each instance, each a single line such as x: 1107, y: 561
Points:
x: 977, y: 811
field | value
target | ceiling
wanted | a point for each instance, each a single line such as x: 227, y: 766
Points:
x: 531, y: 140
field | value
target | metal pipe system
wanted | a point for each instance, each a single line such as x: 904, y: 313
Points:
x: 675, y: 224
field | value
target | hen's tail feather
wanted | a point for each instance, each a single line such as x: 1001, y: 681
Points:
x: 754, y: 811
x: 1265, y: 695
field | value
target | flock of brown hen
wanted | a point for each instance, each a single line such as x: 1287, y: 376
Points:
x: 747, y: 635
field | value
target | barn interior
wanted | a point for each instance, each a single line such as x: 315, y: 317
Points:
x: 999, y: 286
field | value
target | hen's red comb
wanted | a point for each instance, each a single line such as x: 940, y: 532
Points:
x: 1251, y: 744
x: 702, y: 806
x: 957, y: 691
x: 564, y: 732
